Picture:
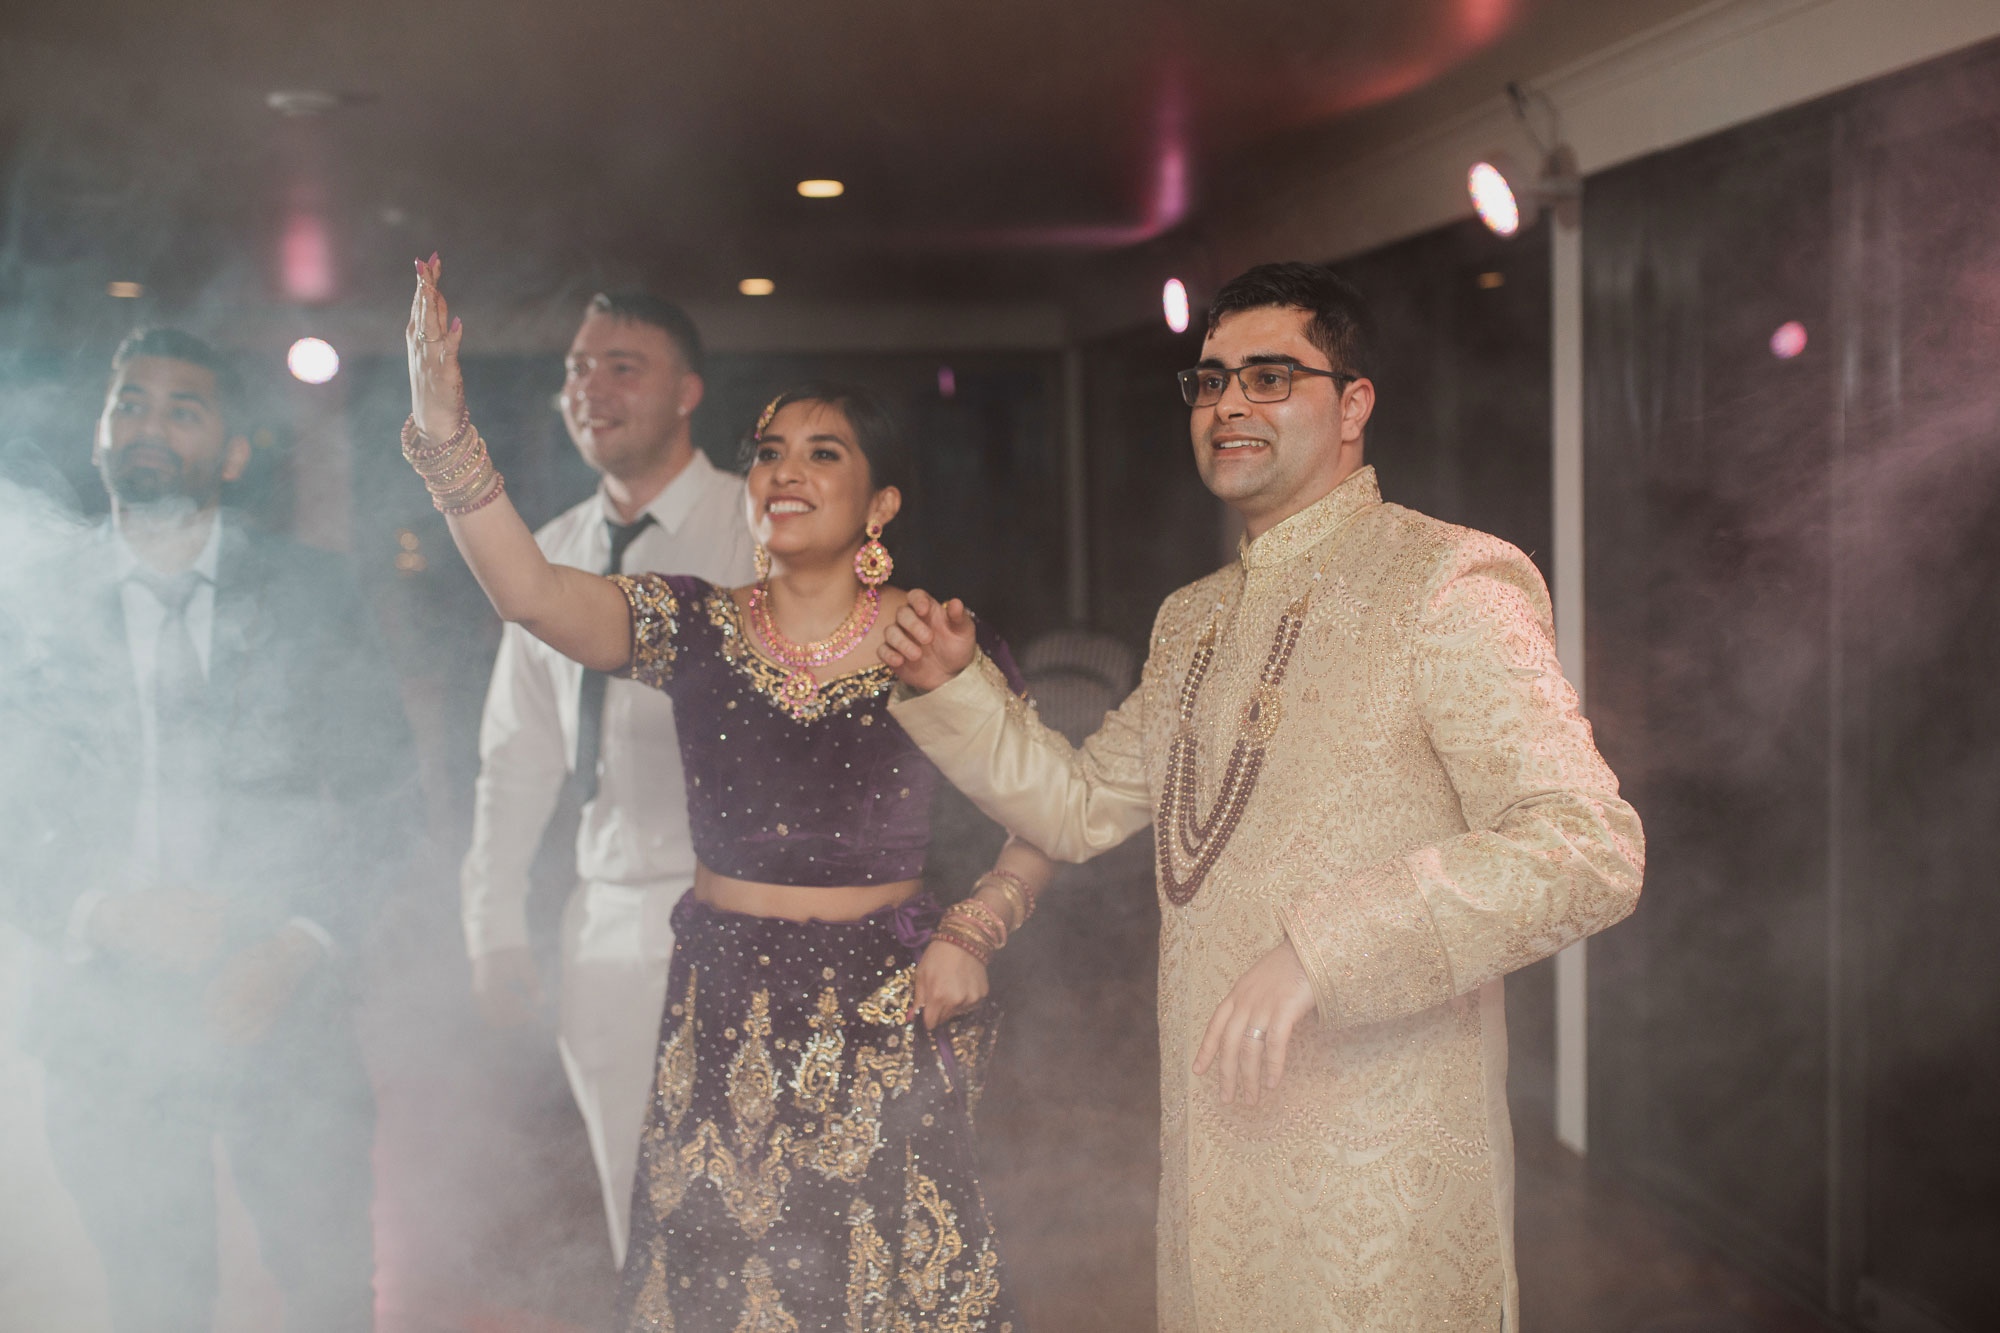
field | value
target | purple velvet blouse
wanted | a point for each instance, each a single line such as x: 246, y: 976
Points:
x: 830, y: 791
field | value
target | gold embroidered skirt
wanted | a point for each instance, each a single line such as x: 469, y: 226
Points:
x: 808, y: 1161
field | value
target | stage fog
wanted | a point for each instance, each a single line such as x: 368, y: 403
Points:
x: 1727, y: 379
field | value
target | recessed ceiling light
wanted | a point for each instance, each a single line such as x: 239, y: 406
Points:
x: 128, y: 291
x: 1174, y: 305
x: 756, y: 286
x: 1491, y: 279
x: 822, y: 189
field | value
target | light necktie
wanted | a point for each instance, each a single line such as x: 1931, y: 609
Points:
x: 590, y: 696
x: 182, y: 727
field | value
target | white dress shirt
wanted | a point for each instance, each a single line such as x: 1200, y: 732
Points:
x: 635, y: 832
x: 144, y: 615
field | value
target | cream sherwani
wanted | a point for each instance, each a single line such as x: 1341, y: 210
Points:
x: 1432, y: 814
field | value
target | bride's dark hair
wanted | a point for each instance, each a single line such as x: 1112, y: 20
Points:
x: 868, y: 416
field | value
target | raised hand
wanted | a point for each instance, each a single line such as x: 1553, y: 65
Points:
x: 931, y: 641
x: 437, y: 390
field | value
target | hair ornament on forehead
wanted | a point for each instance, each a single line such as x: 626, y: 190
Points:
x: 764, y: 418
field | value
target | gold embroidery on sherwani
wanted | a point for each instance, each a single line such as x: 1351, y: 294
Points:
x: 763, y: 1312
x: 1432, y: 814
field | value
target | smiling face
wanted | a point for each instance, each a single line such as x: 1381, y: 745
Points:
x: 809, y: 491
x: 1268, y: 461
x: 162, y: 437
x: 627, y: 394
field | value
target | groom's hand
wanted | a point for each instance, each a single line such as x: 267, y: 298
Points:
x: 930, y: 641
x: 1252, y: 1027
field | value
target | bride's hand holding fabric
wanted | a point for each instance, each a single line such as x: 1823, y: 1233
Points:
x: 930, y: 641
x: 949, y: 982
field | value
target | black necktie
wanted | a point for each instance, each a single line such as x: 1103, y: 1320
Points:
x: 590, y: 697
x: 180, y: 693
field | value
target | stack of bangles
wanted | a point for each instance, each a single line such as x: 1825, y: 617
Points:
x: 977, y: 928
x: 461, y: 478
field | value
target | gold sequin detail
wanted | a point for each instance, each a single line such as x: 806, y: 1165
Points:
x: 655, y: 612
x: 763, y: 1312
x: 769, y: 679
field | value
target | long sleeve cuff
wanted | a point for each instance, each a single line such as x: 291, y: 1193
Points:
x: 1370, y: 947
x: 318, y: 933
x: 492, y: 928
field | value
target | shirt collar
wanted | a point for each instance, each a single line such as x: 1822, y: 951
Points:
x: 125, y: 561
x: 676, y: 500
x: 1292, y: 538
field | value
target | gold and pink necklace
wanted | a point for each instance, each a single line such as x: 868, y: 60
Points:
x: 800, y: 687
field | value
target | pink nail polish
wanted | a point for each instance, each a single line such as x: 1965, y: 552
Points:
x: 434, y: 256
x: 454, y: 323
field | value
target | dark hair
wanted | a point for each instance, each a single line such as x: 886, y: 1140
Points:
x: 180, y: 345
x: 1341, y: 325
x: 868, y: 416
x: 646, y: 308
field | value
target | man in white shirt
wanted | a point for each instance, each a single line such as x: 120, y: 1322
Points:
x: 633, y: 381
x: 234, y: 789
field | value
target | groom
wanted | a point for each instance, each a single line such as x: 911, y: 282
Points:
x: 1372, y: 796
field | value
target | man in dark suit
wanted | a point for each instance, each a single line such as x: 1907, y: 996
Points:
x: 247, y: 782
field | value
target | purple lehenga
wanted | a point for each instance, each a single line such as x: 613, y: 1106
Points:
x: 808, y: 1160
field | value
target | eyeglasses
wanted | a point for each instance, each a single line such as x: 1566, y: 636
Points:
x: 1262, y: 381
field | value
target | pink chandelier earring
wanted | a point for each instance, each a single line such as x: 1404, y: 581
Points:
x: 872, y: 564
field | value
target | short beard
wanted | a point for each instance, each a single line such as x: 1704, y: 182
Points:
x: 162, y: 492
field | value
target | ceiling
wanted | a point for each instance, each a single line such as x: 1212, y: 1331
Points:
x: 548, y: 148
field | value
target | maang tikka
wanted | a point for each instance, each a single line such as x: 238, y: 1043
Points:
x: 872, y: 564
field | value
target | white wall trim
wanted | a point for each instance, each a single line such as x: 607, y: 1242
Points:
x: 1572, y: 1047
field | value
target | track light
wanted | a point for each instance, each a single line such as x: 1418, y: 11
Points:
x: 1509, y: 193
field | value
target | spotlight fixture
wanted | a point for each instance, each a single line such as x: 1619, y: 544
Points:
x: 1174, y: 305
x: 822, y: 189
x: 756, y: 286
x: 313, y: 360
x: 1508, y: 194
x: 1788, y: 340
x: 125, y: 291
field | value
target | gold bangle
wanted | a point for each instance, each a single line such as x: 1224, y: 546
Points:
x: 473, y: 506
x: 1009, y: 880
x: 960, y: 937
x: 1018, y: 902
x: 979, y: 916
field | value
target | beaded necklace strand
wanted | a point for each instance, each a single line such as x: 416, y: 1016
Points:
x: 800, y: 686
x: 1176, y: 822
